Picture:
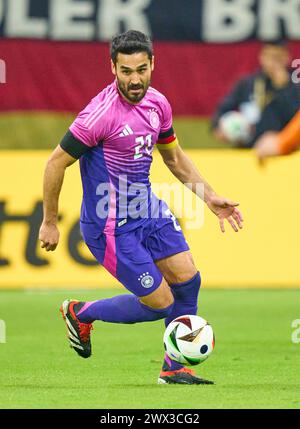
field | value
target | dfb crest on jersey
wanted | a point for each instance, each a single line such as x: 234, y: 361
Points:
x: 154, y: 119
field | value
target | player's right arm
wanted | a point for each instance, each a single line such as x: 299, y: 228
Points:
x: 53, y: 180
x: 77, y: 141
x: 72, y: 147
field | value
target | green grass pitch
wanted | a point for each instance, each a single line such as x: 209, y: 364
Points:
x: 255, y: 363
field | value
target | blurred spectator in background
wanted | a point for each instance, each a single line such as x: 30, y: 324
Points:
x: 282, y: 143
x: 267, y: 99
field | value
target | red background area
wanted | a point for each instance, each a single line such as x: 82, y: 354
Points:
x: 64, y: 76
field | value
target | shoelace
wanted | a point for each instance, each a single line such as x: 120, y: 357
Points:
x: 84, y: 331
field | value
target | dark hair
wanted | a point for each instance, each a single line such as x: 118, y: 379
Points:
x: 129, y: 43
x: 278, y: 43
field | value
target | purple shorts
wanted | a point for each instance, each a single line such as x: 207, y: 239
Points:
x: 130, y: 256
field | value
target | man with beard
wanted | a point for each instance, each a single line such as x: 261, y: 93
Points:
x: 142, y: 245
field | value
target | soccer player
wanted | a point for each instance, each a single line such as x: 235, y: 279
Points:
x: 282, y: 143
x: 114, y: 137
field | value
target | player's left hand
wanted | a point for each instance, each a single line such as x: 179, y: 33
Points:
x: 226, y: 209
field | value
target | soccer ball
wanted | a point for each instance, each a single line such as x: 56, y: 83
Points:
x: 189, y: 339
x: 235, y: 127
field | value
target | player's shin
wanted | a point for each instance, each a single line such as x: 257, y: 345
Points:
x: 185, y: 302
x: 120, y: 309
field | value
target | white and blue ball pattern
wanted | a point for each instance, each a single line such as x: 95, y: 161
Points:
x: 189, y: 340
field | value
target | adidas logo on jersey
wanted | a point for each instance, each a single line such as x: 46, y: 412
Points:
x: 126, y: 132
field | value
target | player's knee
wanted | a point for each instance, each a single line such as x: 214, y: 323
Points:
x: 181, y: 272
x: 159, y: 302
x: 161, y: 298
x: 185, y: 275
x: 193, y: 280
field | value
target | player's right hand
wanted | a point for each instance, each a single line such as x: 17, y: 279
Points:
x: 49, y: 236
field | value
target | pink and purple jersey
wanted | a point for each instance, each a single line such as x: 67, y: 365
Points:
x: 117, y: 193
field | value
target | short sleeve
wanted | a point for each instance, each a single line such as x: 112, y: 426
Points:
x: 84, y: 131
x: 90, y: 126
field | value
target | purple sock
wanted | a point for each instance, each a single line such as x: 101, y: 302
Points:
x: 186, y: 299
x: 120, y: 309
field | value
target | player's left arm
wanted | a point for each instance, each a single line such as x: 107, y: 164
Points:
x: 184, y: 170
